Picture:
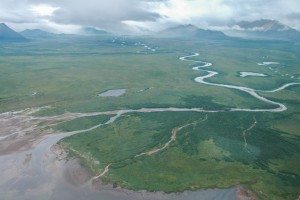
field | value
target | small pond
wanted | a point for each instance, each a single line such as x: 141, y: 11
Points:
x: 112, y: 93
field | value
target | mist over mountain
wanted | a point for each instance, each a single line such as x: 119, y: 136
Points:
x: 264, y: 25
x: 264, y: 29
x: 93, y: 31
x: 191, y: 31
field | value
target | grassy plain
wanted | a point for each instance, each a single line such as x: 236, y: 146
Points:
x: 67, y: 74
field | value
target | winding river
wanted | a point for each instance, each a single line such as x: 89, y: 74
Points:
x: 37, y: 173
x: 252, y: 92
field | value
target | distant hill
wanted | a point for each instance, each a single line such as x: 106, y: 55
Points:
x: 94, y: 31
x: 264, y: 29
x: 36, y: 33
x: 7, y: 34
x: 191, y: 31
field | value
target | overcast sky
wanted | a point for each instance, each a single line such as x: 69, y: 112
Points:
x: 69, y: 16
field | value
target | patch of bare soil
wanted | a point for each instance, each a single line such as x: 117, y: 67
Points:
x: 243, y: 193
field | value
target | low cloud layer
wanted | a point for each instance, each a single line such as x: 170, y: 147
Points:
x: 142, y: 15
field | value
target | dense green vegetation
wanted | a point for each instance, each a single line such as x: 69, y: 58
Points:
x: 208, y: 154
x: 82, y: 123
x: 68, y: 73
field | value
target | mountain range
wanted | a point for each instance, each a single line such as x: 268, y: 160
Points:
x: 261, y: 29
x: 36, y: 33
x: 264, y: 29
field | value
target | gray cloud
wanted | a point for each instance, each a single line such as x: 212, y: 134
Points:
x: 108, y: 14
x: 103, y: 14
x: 124, y: 15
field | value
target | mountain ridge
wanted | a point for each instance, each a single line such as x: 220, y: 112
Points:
x: 8, y: 34
x: 189, y: 30
x: 36, y: 33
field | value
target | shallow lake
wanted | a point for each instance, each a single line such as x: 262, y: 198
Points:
x: 245, y: 74
x: 112, y: 93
